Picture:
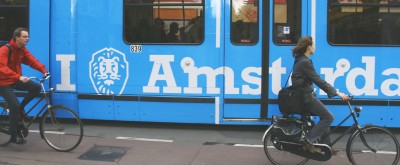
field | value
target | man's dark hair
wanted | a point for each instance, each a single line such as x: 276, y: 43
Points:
x: 17, y: 32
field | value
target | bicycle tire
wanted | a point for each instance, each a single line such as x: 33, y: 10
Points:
x: 279, y: 156
x: 5, y: 136
x: 379, y: 139
x: 61, y: 128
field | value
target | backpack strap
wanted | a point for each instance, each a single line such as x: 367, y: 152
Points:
x: 290, y: 75
x: 9, y: 52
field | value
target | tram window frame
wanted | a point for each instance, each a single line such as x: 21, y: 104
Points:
x: 249, y: 28
x: 287, y: 21
x: 357, y: 27
x: 17, y: 12
x: 188, y: 28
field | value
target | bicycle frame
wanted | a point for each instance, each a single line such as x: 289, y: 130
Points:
x: 382, y: 141
x: 61, y: 135
x: 45, y: 107
x: 353, y: 128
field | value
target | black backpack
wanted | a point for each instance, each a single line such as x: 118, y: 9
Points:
x: 5, y: 43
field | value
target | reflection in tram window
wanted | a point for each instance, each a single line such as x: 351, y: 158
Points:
x: 13, y: 14
x: 244, y: 25
x: 164, y: 21
x: 364, y: 22
x: 287, y: 21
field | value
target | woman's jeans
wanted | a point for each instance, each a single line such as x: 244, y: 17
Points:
x: 320, y: 132
x: 15, y: 106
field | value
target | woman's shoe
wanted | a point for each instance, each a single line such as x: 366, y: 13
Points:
x: 311, y: 148
x: 334, y: 151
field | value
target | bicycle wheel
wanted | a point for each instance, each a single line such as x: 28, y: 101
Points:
x: 278, y: 153
x: 5, y: 136
x: 373, y: 145
x: 61, y: 128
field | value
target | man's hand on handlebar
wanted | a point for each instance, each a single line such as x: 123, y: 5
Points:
x: 24, y: 79
x: 47, y: 75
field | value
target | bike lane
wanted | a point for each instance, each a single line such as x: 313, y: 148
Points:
x: 128, y: 151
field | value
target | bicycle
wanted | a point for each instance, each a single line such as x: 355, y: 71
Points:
x: 59, y: 126
x: 369, y: 143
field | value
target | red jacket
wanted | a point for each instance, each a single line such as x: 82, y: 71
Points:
x: 10, y: 73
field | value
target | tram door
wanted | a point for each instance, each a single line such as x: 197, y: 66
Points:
x: 259, y: 36
x: 243, y: 59
x: 288, y: 22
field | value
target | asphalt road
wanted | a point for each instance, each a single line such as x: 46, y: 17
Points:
x: 127, y: 143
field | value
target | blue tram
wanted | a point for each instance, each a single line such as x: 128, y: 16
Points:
x: 209, y: 61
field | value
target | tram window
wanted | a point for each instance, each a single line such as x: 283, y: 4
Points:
x: 364, y: 22
x: 244, y: 22
x: 164, y: 21
x: 13, y: 14
x: 287, y: 21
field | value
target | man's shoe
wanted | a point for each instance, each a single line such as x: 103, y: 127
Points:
x: 334, y: 151
x: 18, y: 140
x: 310, y: 148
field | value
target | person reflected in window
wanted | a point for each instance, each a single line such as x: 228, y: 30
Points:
x: 182, y: 34
x: 159, y: 34
x: 195, y: 31
x: 173, y: 29
x: 239, y: 32
x: 14, y: 2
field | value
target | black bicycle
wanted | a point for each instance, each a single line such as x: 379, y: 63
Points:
x: 59, y: 126
x: 368, y: 143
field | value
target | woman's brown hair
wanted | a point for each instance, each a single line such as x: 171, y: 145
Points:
x: 302, y: 46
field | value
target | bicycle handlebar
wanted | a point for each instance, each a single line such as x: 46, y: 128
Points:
x: 350, y: 97
x: 45, y: 77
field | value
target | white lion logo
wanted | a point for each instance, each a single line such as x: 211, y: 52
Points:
x: 108, y: 71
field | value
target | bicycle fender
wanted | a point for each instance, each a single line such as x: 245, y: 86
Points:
x: 265, y: 133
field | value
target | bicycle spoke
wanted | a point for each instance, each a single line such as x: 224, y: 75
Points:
x: 62, y: 129
x: 4, y: 125
x: 278, y: 153
x: 375, y: 145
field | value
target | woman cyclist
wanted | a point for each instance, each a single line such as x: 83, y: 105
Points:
x: 304, y: 75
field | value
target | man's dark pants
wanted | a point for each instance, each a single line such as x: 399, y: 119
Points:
x: 7, y: 92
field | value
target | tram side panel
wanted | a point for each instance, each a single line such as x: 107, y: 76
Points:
x: 242, y: 60
x: 365, y: 71
x: 63, y: 55
x: 181, y: 83
x: 114, y: 83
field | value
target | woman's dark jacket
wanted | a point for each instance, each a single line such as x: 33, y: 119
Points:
x: 304, y: 75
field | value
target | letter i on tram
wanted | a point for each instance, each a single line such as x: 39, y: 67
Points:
x: 209, y: 61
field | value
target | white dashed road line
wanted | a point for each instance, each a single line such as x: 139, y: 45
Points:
x: 248, y: 145
x: 144, y: 139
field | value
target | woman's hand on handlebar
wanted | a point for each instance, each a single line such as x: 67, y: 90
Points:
x: 343, y: 96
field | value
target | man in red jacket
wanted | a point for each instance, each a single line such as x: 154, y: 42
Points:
x: 11, y: 78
